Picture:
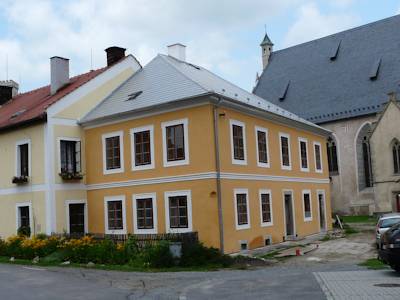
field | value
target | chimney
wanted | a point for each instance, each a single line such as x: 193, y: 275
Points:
x: 177, y: 51
x: 8, y: 90
x: 59, y: 73
x: 114, y: 54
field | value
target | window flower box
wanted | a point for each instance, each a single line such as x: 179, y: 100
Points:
x: 71, y: 175
x: 20, y: 179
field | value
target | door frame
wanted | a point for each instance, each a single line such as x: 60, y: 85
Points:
x: 322, y: 192
x: 285, y: 192
x: 67, y: 204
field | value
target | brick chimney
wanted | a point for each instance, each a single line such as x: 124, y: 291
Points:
x: 8, y: 90
x: 114, y: 54
x: 59, y: 73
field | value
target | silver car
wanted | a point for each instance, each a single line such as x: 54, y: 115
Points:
x: 384, y: 223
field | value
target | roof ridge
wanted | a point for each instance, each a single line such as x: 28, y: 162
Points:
x: 341, y: 32
x: 164, y: 57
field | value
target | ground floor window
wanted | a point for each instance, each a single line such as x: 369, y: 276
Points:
x: 115, y: 215
x: 242, y: 208
x: 24, y: 218
x: 145, y: 213
x: 178, y: 209
x: 266, y: 207
x: 307, y: 205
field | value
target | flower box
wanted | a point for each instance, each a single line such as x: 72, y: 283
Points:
x: 71, y: 176
x: 20, y: 179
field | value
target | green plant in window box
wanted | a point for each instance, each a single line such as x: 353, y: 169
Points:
x: 24, y: 231
x: 71, y: 175
x: 20, y: 179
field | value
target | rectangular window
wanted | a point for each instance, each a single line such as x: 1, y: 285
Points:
x: 178, y: 209
x: 307, y: 205
x: 144, y: 213
x: 285, y: 151
x: 238, y: 142
x: 24, y: 218
x: 115, y: 216
x: 317, y: 153
x: 70, y: 156
x: 242, y: 210
x: 113, y: 153
x: 23, y: 159
x: 262, y: 147
x: 175, y: 143
x: 142, y: 144
x: 266, y: 207
x: 303, y: 154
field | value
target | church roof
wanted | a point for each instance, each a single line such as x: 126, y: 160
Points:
x: 344, y: 75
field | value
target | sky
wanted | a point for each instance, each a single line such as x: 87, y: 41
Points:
x: 222, y: 36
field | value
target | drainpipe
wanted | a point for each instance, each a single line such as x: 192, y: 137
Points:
x: 218, y: 169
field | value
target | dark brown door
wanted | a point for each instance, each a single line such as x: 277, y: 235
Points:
x: 398, y: 202
x: 77, y: 218
x: 289, y: 215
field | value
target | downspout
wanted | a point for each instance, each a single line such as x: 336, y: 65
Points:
x: 218, y: 170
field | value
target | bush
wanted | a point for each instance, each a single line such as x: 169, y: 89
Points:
x: 197, y: 254
x: 158, y: 256
x: 24, y: 231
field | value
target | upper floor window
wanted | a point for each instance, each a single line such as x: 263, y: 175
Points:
x: 238, y: 142
x: 143, y: 148
x: 396, y: 157
x: 303, y: 148
x: 284, y: 140
x: 70, y: 156
x: 317, y: 157
x: 113, y: 153
x: 332, y: 156
x: 242, y: 209
x: 262, y: 147
x: 175, y: 140
x: 307, y: 205
x: 23, y: 159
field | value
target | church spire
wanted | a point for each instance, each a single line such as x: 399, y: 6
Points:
x: 266, y: 49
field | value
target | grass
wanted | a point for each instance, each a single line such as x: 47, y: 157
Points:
x: 123, y: 268
x: 326, y: 238
x: 359, y: 219
x: 373, y: 264
x: 349, y: 230
x: 270, y: 255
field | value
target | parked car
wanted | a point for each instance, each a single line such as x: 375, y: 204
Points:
x: 389, y: 251
x: 384, y: 223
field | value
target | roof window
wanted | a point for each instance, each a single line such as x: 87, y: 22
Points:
x: 335, y: 51
x: 133, y: 95
x: 375, y: 69
x: 284, y: 91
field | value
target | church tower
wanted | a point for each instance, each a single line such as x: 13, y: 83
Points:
x: 266, y: 48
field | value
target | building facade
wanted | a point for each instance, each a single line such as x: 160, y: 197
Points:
x: 341, y: 82
x: 176, y: 149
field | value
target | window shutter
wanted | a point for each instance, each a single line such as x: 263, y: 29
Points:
x: 78, y: 156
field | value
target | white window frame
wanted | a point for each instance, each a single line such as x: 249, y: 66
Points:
x: 241, y: 124
x: 68, y: 139
x: 315, y: 157
x: 120, y: 134
x: 262, y: 164
x: 188, y: 195
x: 164, y: 125
x: 17, y: 215
x: 18, y: 157
x: 114, y: 198
x: 261, y: 192
x: 153, y: 197
x: 149, y: 128
x: 307, y: 219
x: 289, y: 167
x: 304, y: 140
x: 243, y: 226
x: 67, y: 204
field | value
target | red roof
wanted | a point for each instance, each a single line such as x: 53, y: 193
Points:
x: 31, y: 106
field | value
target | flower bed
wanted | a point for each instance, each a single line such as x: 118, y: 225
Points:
x: 55, y: 249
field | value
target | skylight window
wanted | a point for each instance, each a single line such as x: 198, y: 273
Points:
x: 335, y: 51
x: 18, y: 113
x: 284, y: 91
x: 375, y: 69
x: 133, y: 95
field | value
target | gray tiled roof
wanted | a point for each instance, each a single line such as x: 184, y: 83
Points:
x: 323, y: 87
x: 166, y: 79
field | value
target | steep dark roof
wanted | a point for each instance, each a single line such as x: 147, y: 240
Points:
x: 340, y: 76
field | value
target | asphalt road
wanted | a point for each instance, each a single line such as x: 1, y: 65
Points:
x: 278, y: 282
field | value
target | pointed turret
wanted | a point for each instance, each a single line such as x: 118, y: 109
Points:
x: 266, y: 48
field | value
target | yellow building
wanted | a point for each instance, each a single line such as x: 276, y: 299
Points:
x: 177, y: 149
x: 42, y: 175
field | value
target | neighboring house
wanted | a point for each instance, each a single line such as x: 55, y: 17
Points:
x: 42, y: 174
x: 385, y: 150
x: 177, y: 149
x: 340, y: 82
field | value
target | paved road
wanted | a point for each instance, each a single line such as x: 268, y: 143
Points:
x: 280, y: 282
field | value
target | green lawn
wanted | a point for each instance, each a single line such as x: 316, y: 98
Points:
x: 373, y: 264
x: 359, y: 219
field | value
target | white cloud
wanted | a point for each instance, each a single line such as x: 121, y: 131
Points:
x: 341, y: 3
x: 37, y: 30
x: 311, y: 24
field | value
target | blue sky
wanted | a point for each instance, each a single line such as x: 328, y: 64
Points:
x: 222, y: 36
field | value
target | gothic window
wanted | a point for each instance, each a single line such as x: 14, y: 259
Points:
x: 363, y: 150
x: 396, y: 157
x: 332, y: 156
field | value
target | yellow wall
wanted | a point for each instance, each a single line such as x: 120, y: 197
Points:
x: 202, y: 159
